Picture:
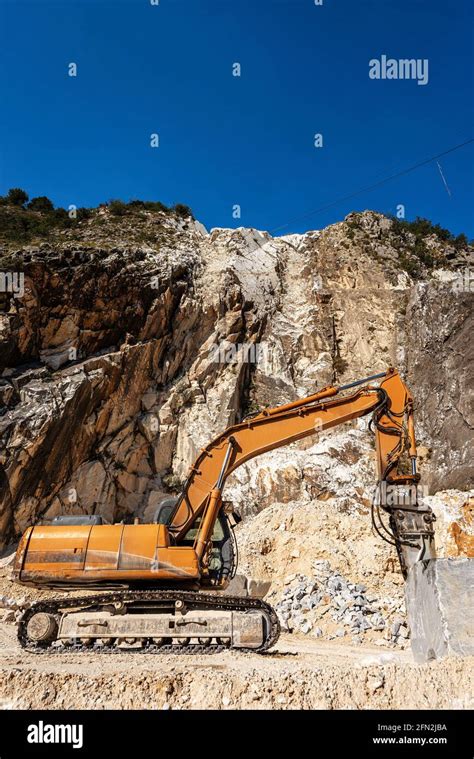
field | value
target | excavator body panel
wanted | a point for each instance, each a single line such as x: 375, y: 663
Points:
x: 77, y: 554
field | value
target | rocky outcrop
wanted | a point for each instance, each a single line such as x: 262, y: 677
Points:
x: 121, y: 359
x: 440, y: 364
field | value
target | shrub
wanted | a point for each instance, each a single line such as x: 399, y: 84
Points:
x: 461, y: 241
x: 339, y: 364
x: 421, y: 229
x: 22, y: 225
x: 12, y: 225
x: 117, y: 207
x: 41, y: 203
x: 155, y: 205
x: 16, y: 197
x: 83, y: 213
x: 23, y: 221
x: 61, y: 217
x: 182, y: 210
x: 424, y: 227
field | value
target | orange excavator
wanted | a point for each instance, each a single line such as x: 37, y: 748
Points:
x: 152, y: 587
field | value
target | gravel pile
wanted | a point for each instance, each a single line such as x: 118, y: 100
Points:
x: 328, y: 605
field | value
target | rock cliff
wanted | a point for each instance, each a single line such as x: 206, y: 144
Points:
x: 126, y: 344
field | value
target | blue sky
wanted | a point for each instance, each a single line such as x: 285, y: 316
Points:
x: 247, y: 140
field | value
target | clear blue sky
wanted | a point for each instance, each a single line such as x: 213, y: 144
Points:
x: 226, y: 140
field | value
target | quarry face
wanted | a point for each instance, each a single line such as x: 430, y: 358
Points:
x: 123, y: 357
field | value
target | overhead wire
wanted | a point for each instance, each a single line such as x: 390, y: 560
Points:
x: 367, y: 188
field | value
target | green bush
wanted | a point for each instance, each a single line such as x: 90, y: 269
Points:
x: 424, y: 227
x: 41, y: 203
x: 155, y: 205
x: 117, y: 207
x: 421, y: 254
x: 182, y: 210
x: 60, y: 217
x: 83, y: 213
x: 16, y: 197
x: 12, y: 225
x: 22, y: 225
x: 23, y: 221
x: 461, y: 241
x: 410, y: 265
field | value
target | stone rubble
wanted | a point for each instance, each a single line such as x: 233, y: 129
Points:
x: 11, y: 609
x: 307, y: 600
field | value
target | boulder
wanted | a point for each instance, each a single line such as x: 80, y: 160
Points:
x: 440, y: 606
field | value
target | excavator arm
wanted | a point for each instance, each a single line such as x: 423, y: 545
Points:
x: 391, y: 405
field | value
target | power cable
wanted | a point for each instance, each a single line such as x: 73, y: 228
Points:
x: 372, y: 186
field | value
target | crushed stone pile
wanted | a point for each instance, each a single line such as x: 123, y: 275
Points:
x: 328, y: 605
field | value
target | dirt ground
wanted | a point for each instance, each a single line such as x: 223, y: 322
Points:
x: 296, y: 674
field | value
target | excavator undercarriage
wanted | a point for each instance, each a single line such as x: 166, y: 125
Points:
x: 153, y: 621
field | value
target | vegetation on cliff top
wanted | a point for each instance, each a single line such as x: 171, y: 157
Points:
x: 412, y: 240
x: 419, y: 245
x: 23, y: 220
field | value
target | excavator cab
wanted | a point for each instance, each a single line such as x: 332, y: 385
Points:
x: 223, y: 553
x: 164, y: 510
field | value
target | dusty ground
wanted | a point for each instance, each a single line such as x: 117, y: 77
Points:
x: 297, y: 674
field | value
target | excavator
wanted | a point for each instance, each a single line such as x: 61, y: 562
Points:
x: 157, y: 587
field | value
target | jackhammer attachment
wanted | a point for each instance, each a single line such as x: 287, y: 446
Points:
x: 412, y: 528
x: 439, y: 593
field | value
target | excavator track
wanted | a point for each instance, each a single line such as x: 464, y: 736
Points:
x: 192, y: 600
